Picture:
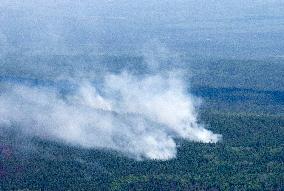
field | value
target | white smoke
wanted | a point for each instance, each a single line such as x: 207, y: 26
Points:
x: 139, y: 116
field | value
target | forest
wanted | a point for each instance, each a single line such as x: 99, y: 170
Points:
x: 249, y: 157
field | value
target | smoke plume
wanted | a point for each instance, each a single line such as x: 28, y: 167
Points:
x: 140, y: 116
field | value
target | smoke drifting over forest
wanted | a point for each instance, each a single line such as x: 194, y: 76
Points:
x: 138, y: 115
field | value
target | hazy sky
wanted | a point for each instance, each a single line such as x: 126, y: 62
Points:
x: 201, y: 26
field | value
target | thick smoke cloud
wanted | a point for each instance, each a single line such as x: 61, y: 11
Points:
x: 139, y: 116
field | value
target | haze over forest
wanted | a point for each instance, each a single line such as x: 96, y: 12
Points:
x: 141, y: 95
x: 209, y: 28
